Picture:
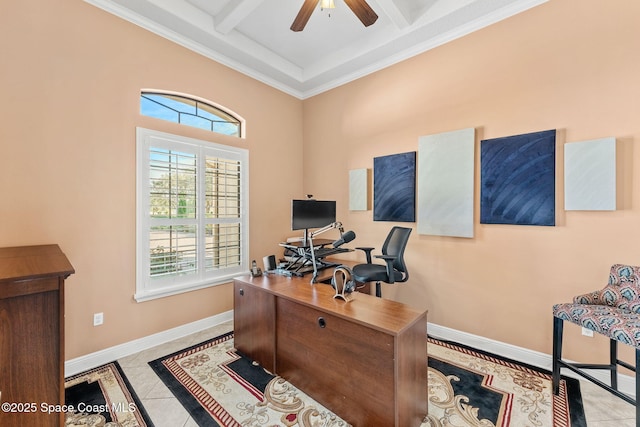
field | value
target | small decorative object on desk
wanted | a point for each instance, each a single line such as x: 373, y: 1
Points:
x: 343, y: 283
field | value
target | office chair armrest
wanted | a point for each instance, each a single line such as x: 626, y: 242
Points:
x: 388, y: 259
x: 367, y: 252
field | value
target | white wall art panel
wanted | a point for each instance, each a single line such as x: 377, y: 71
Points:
x: 590, y: 175
x: 445, y: 183
x: 358, y: 186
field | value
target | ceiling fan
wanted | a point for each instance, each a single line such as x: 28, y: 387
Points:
x: 360, y: 7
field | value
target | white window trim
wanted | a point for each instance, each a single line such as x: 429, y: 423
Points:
x: 146, y: 287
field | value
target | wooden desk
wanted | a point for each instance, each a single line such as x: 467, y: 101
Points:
x: 365, y: 360
x: 32, y: 334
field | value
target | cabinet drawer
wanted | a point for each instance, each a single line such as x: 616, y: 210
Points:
x: 28, y: 287
x: 346, y: 366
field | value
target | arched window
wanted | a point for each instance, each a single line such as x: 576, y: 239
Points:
x: 192, y: 200
x: 190, y: 111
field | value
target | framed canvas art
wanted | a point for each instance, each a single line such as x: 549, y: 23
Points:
x: 518, y: 179
x: 446, y: 165
x: 590, y: 175
x: 358, y: 189
x: 394, y: 187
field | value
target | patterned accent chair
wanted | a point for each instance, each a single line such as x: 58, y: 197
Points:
x: 614, y: 312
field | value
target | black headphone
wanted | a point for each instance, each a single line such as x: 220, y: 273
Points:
x: 342, y: 280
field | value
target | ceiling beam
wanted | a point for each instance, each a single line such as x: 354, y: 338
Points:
x: 393, y: 12
x: 233, y: 13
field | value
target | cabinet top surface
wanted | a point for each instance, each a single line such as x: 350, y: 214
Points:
x: 25, y: 262
x: 386, y: 315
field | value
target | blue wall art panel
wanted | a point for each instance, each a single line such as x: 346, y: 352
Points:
x: 394, y: 187
x: 446, y: 169
x: 590, y: 175
x: 517, y: 176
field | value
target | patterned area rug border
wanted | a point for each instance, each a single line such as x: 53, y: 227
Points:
x: 570, y: 395
x: 194, y: 404
x: 126, y: 409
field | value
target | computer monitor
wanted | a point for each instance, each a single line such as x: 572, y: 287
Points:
x: 306, y: 214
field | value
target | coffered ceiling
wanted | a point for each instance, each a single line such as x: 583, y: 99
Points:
x: 254, y: 36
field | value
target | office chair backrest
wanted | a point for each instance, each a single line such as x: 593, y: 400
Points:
x: 394, y: 245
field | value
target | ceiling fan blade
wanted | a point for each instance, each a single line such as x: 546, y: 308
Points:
x: 303, y: 16
x: 363, y: 11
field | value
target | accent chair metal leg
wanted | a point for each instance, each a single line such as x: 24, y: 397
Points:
x: 557, y: 353
x: 613, y: 360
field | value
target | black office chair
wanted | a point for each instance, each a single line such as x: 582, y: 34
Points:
x: 394, y: 270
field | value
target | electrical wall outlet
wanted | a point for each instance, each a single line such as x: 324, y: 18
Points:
x: 587, y: 332
x: 98, y: 319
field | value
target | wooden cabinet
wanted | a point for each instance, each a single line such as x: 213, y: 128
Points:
x: 365, y: 360
x: 32, y: 334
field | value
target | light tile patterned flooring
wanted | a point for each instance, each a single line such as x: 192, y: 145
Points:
x: 601, y: 408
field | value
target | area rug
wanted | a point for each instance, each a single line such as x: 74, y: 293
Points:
x: 103, y: 397
x: 221, y: 388
x: 468, y: 387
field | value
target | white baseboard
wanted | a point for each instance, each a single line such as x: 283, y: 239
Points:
x: 89, y: 361
x: 626, y: 383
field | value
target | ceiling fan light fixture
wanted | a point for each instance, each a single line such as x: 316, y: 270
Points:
x: 360, y: 8
x: 327, y: 4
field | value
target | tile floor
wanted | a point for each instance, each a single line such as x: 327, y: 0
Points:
x: 601, y: 408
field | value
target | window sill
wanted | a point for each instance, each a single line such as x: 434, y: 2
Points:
x: 156, y: 293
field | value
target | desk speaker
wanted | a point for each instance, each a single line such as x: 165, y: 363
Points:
x: 269, y: 262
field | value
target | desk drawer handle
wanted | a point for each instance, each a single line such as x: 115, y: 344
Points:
x: 241, y: 292
x: 321, y: 322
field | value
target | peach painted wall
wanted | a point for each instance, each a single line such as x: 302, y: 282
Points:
x: 71, y: 76
x: 570, y: 65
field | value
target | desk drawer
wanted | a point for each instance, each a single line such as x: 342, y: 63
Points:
x: 347, y: 367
